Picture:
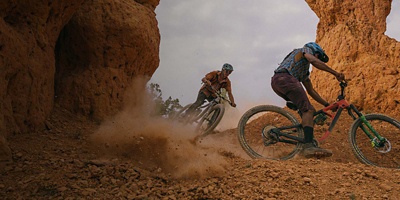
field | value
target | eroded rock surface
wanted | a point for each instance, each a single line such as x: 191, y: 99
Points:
x: 101, y: 49
x: 80, y: 54
x: 353, y: 34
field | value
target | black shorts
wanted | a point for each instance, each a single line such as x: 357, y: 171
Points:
x: 290, y: 89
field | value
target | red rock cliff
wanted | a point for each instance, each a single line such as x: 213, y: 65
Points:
x: 81, y: 54
x: 353, y: 34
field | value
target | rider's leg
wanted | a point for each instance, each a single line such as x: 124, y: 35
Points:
x: 199, y: 101
x: 289, y: 88
x: 310, y: 149
x: 308, y: 126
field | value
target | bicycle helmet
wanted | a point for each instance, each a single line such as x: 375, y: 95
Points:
x: 227, y: 66
x: 317, y: 49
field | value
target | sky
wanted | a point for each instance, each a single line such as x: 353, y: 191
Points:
x: 199, y: 36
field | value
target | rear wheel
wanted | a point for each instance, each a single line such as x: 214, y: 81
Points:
x: 255, y: 133
x: 381, y: 153
x: 210, y: 120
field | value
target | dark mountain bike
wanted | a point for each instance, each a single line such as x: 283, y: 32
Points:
x: 206, y: 117
x: 270, y: 132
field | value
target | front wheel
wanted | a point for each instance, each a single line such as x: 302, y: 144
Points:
x: 210, y: 120
x: 380, y: 153
x: 256, y: 133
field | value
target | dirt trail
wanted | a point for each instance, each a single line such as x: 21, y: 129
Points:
x: 135, y: 156
x: 64, y: 162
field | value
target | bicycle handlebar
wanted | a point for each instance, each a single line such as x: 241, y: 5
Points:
x: 218, y: 93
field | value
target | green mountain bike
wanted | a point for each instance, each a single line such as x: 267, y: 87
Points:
x: 271, y: 132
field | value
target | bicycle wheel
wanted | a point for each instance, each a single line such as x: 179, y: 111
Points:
x: 261, y: 119
x: 210, y: 120
x: 387, y: 154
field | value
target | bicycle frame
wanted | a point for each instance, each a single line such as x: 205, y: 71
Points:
x: 209, y: 105
x: 338, y: 106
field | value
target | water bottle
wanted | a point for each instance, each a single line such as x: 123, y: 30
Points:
x: 320, y: 119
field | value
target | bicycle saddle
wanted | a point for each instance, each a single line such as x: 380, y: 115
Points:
x: 291, y: 105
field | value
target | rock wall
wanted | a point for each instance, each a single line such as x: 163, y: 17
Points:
x: 28, y: 34
x: 81, y: 54
x: 101, y: 49
x: 353, y: 34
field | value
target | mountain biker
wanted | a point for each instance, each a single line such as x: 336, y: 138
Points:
x: 287, y: 80
x: 213, y: 82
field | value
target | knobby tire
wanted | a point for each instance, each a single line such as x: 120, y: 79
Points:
x: 362, y: 148
x: 264, y: 117
x: 211, y: 119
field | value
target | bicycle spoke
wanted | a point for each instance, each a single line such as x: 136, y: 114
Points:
x: 265, y: 145
x: 384, y: 153
x: 210, y: 120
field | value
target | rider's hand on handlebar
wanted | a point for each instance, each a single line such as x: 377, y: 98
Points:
x: 340, y: 76
x: 233, y: 104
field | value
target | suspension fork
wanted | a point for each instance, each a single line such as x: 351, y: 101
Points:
x: 368, y: 127
x: 214, y: 114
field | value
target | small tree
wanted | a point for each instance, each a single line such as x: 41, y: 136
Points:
x: 162, y: 108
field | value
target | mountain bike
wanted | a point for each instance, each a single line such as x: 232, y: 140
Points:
x: 206, y: 117
x: 271, y: 132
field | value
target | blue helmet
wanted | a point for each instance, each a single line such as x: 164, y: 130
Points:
x: 227, y: 66
x: 317, y: 49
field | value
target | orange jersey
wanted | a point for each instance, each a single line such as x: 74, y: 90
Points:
x: 214, y: 78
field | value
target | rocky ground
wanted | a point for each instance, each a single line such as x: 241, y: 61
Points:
x: 65, y: 161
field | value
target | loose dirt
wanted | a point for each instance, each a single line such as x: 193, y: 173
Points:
x: 128, y: 157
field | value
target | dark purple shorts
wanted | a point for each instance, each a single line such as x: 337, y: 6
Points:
x: 290, y: 89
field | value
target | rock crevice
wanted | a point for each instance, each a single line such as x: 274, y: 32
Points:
x: 353, y: 34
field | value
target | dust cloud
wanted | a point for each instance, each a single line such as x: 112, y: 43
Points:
x: 230, y: 118
x: 159, y: 144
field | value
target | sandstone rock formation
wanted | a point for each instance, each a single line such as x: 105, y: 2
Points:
x: 79, y: 54
x: 82, y: 55
x: 353, y: 34
x: 101, y: 49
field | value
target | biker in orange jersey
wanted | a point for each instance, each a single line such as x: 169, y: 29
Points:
x: 213, y: 82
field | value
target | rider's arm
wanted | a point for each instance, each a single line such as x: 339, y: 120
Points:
x: 322, y: 66
x: 231, y: 98
x: 230, y: 95
x: 208, y: 77
x: 310, y: 90
x: 206, y: 81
